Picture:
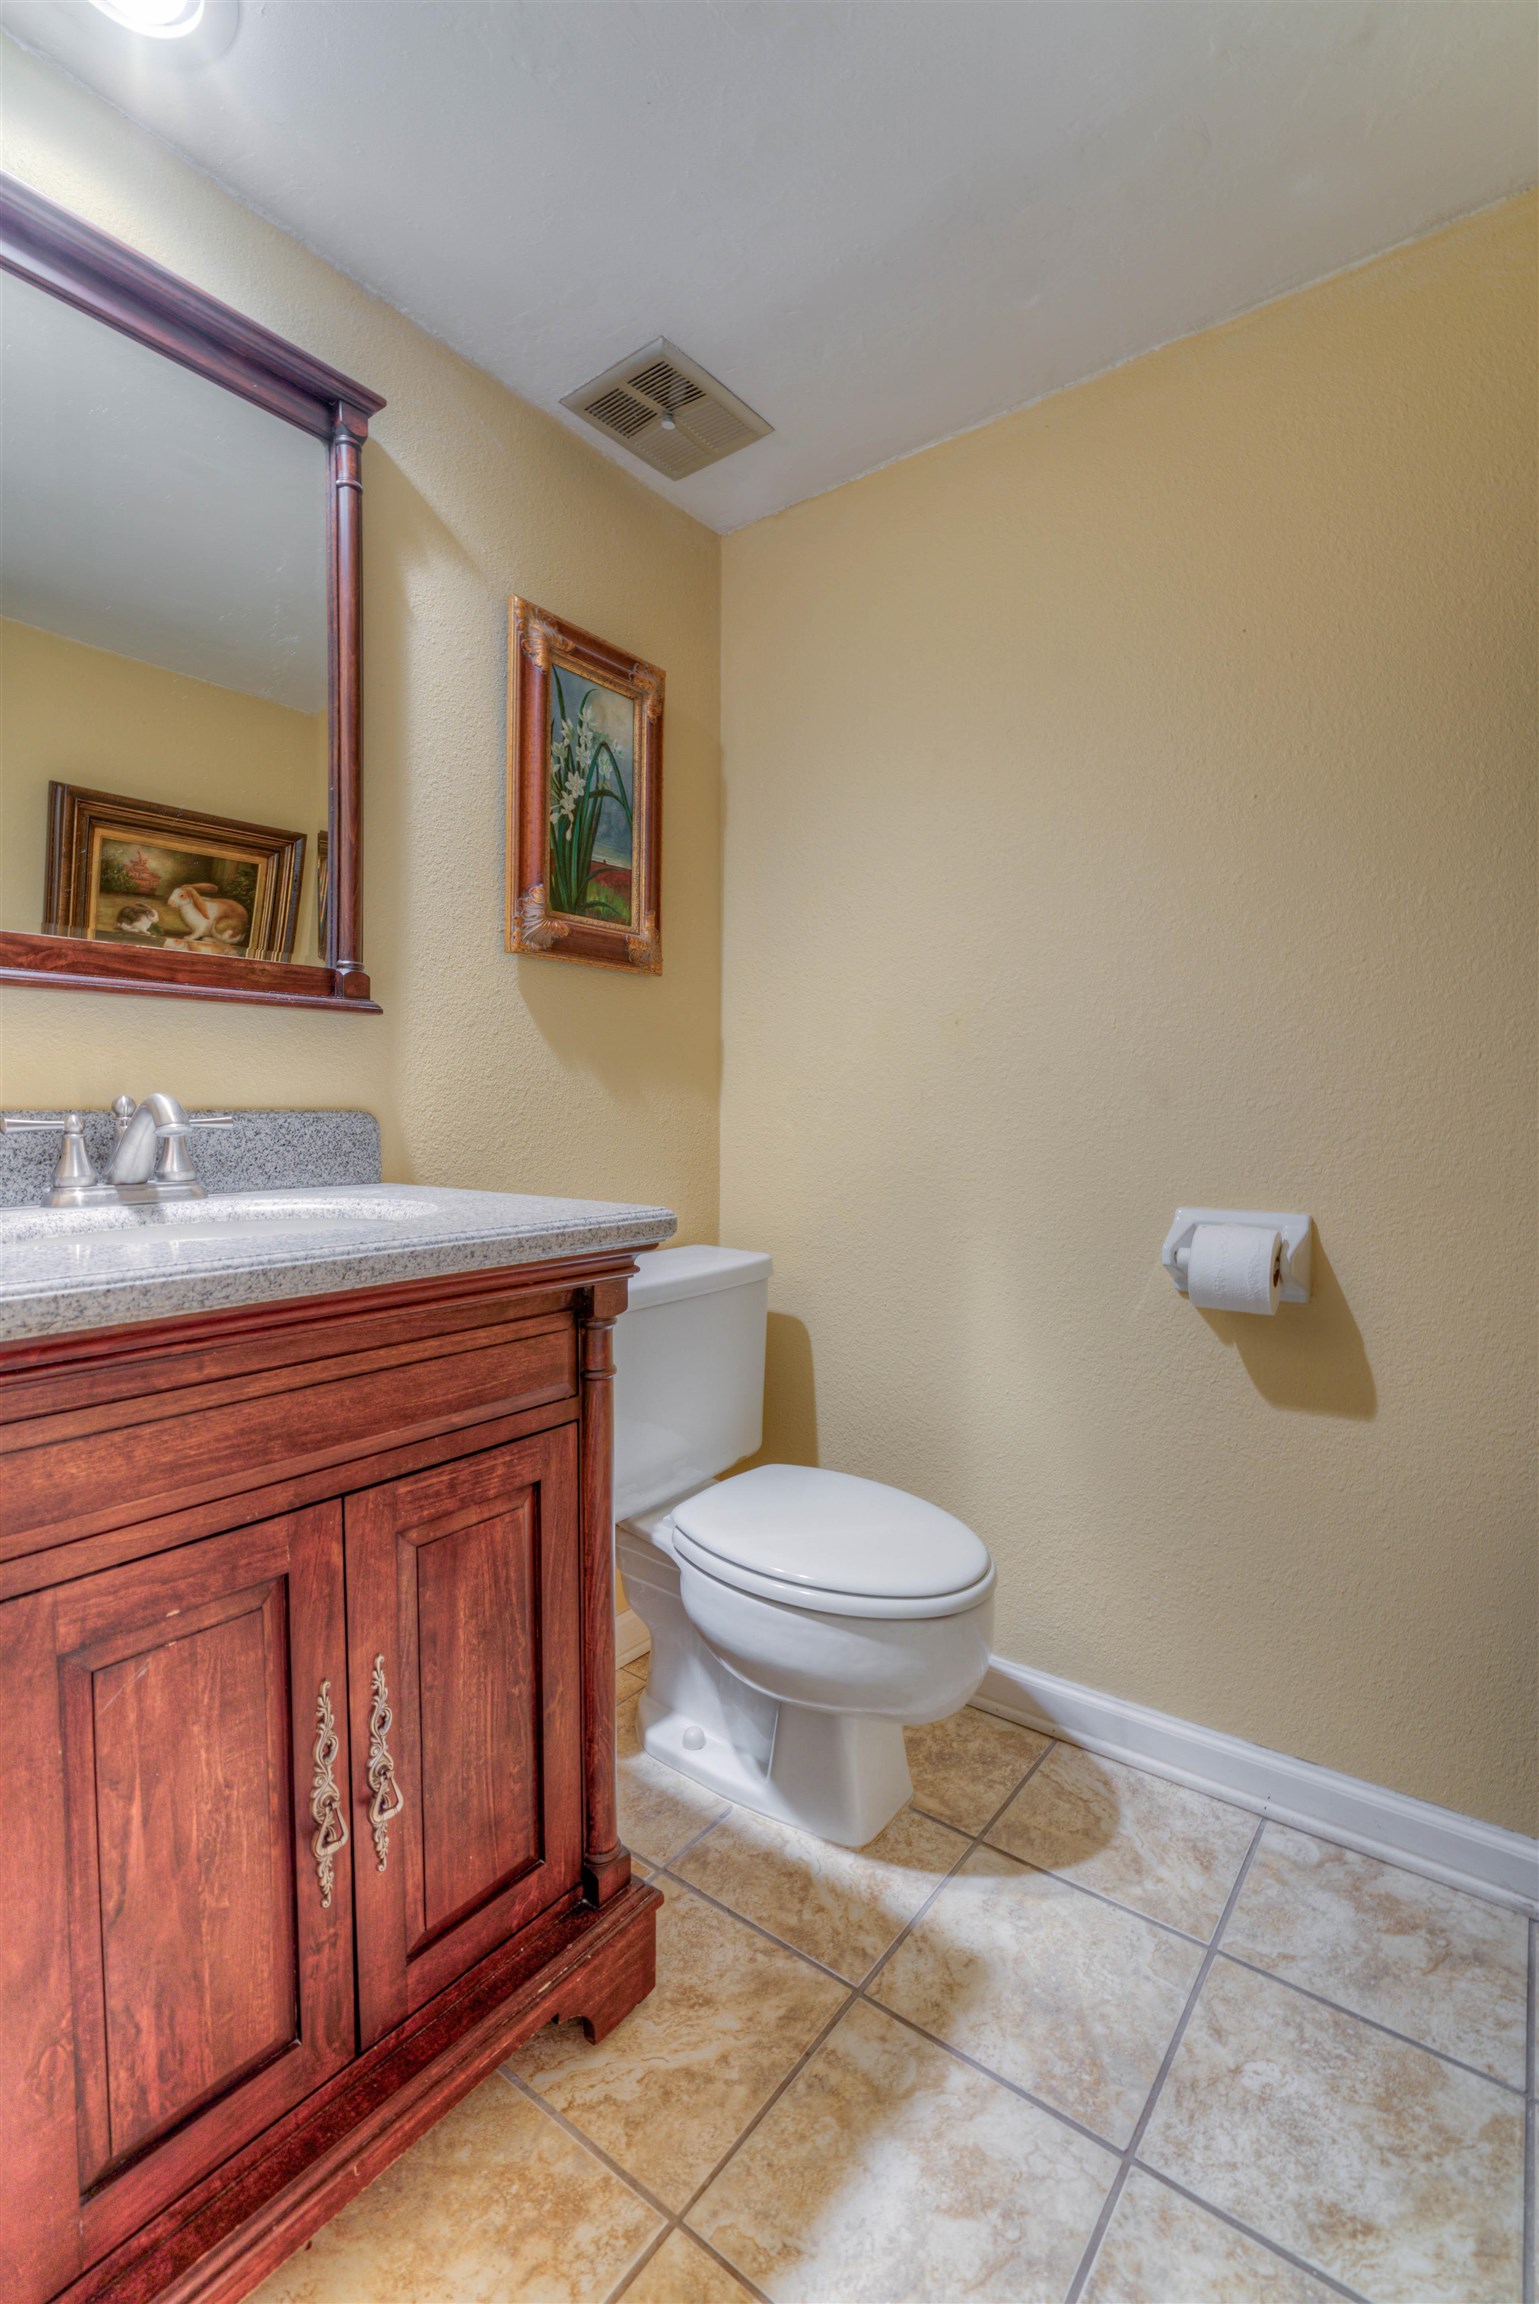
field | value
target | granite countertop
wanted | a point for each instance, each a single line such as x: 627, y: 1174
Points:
x: 70, y: 1269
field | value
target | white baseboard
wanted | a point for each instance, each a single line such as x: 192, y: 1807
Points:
x: 1438, y: 1842
x: 632, y: 1638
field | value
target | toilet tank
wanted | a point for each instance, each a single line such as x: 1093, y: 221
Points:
x: 689, y: 1372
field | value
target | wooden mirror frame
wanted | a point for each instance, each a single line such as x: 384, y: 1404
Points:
x: 69, y: 258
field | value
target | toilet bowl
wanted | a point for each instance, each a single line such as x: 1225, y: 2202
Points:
x: 799, y: 1618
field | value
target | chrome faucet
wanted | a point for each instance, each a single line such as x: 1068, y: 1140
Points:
x: 150, y: 1159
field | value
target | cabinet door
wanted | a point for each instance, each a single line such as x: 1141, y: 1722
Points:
x: 463, y: 1644
x: 179, y: 1962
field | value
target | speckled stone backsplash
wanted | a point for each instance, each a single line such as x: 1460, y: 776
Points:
x: 263, y: 1149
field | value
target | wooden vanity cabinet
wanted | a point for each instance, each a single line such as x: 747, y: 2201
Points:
x: 163, y: 1713
x: 463, y: 1582
x: 309, y: 1746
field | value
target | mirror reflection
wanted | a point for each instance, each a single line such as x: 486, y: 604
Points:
x: 164, y: 748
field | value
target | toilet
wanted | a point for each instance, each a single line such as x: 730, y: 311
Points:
x: 799, y: 1618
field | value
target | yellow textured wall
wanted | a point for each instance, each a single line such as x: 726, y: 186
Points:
x: 531, y: 1074
x: 1131, y: 803
x: 79, y: 715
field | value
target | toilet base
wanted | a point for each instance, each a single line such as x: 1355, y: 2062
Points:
x: 841, y: 1775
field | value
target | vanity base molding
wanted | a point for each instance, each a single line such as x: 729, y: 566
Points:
x: 307, y: 1696
x: 263, y: 2206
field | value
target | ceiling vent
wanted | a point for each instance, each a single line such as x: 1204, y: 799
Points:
x: 667, y: 410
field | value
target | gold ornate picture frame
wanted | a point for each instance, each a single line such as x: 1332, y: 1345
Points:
x: 585, y: 770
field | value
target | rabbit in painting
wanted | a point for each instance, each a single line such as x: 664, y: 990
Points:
x: 137, y: 918
x: 215, y: 922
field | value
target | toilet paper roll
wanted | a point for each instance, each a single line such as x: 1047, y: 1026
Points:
x: 1234, y: 1268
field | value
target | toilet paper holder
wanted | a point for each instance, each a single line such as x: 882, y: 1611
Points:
x: 1297, y: 1236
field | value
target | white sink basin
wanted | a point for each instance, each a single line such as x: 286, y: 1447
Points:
x: 221, y: 1216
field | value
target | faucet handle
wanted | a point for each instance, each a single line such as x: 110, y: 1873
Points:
x: 175, y: 1177
x: 124, y: 1108
x: 75, y: 1181
x: 173, y: 1171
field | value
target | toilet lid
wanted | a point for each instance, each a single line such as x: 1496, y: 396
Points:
x: 815, y: 1536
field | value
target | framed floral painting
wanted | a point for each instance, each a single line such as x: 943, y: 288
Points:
x: 585, y: 766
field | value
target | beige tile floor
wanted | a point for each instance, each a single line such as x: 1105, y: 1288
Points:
x: 1063, y: 2034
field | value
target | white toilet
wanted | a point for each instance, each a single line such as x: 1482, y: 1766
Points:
x: 799, y: 1618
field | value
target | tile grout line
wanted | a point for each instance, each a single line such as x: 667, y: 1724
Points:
x: 1289, y: 1983
x: 633, y: 2272
x: 1083, y: 1888
x: 675, y: 2221
x: 1374, y: 2023
x: 1134, y: 2157
x: 853, y: 1993
x: 970, y: 1841
x: 1523, y: 1905
x: 987, y: 2072
x: 1182, y: 1935
x: 633, y: 2183
x: 862, y: 1991
x: 1215, y: 1942
x: 974, y: 1843
x: 1128, y: 2157
x: 768, y: 2106
x: 1250, y: 2232
x: 1518, y: 2088
x: 661, y: 1863
x: 1141, y: 2124
x: 762, y: 2296
x: 673, y: 2218
x: 655, y: 2247
x: 781, y: 1943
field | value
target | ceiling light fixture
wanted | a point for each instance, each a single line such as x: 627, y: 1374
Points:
x: 157, y: 19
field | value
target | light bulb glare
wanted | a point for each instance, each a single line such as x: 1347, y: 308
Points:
x: 157, y: 19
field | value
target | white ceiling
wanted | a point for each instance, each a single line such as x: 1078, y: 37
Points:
x: 145, y: 510
x: 878, y: 223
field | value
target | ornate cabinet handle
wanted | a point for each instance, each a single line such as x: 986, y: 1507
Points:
x: 331, y: 1833
x: 385, y: 1802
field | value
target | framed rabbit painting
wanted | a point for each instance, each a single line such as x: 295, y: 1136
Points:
x: 585, y: 765
x: 140, y: 872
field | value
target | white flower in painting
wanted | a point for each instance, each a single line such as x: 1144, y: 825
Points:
x: 566, y: 790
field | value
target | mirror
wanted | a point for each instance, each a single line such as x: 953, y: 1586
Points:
x: 179, y: 532
x: 162, y: 648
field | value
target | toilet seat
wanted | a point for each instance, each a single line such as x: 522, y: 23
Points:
x: 832, y: 1544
